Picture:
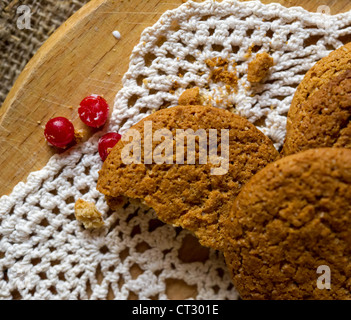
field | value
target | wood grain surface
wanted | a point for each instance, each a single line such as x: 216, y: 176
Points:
x: 80, y: 58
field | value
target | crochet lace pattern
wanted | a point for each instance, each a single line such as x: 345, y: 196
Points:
x: 46, y: 254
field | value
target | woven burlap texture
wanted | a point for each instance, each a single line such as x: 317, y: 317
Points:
x: 18, y: 45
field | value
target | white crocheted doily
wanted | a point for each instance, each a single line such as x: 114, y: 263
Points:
x: 46, y: 254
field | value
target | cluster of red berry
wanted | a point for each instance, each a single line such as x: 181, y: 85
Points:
x: 93, y: 111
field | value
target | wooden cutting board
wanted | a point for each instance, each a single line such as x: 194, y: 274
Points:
x: 80, y: 58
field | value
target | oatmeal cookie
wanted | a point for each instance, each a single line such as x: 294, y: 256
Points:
x: 190, y: 195
x: 291, y: 218
x: 325, y: 74
x: 323, y: 120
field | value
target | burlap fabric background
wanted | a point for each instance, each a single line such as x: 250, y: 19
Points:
x: 18, y: 46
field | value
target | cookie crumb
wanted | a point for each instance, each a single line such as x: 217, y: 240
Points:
x: 220, y: 72
x: 259, y: 68
x: 190, y: 97
x: 248, y: 54
x: 87, y: 213
x: 79, y: 135
x: 174, y: 88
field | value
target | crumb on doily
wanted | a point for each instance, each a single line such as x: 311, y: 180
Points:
x: 79, y: 135
x: 252, y: 49
x: 224, y: 72
x: 259, y: 68
x: 220, y: 73
x: 88, y: 214
x: 190, y: 97
x: 175, y: 86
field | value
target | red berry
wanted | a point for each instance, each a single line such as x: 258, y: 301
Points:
x: 93, y: 111
x: 107, y: 142
x: 59, y: 132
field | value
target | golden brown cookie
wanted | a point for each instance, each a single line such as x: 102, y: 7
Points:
x: 291, y: 219
x: 323, y: 120
x: 190, y: 195
x: 327, y: 74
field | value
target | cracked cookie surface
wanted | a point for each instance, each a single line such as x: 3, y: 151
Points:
x: 188, y: 195
x: 327, y: 85
x: 292, y: 217
x: 324, y: 119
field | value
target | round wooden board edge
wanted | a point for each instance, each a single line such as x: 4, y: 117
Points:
x: 47, y: 46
